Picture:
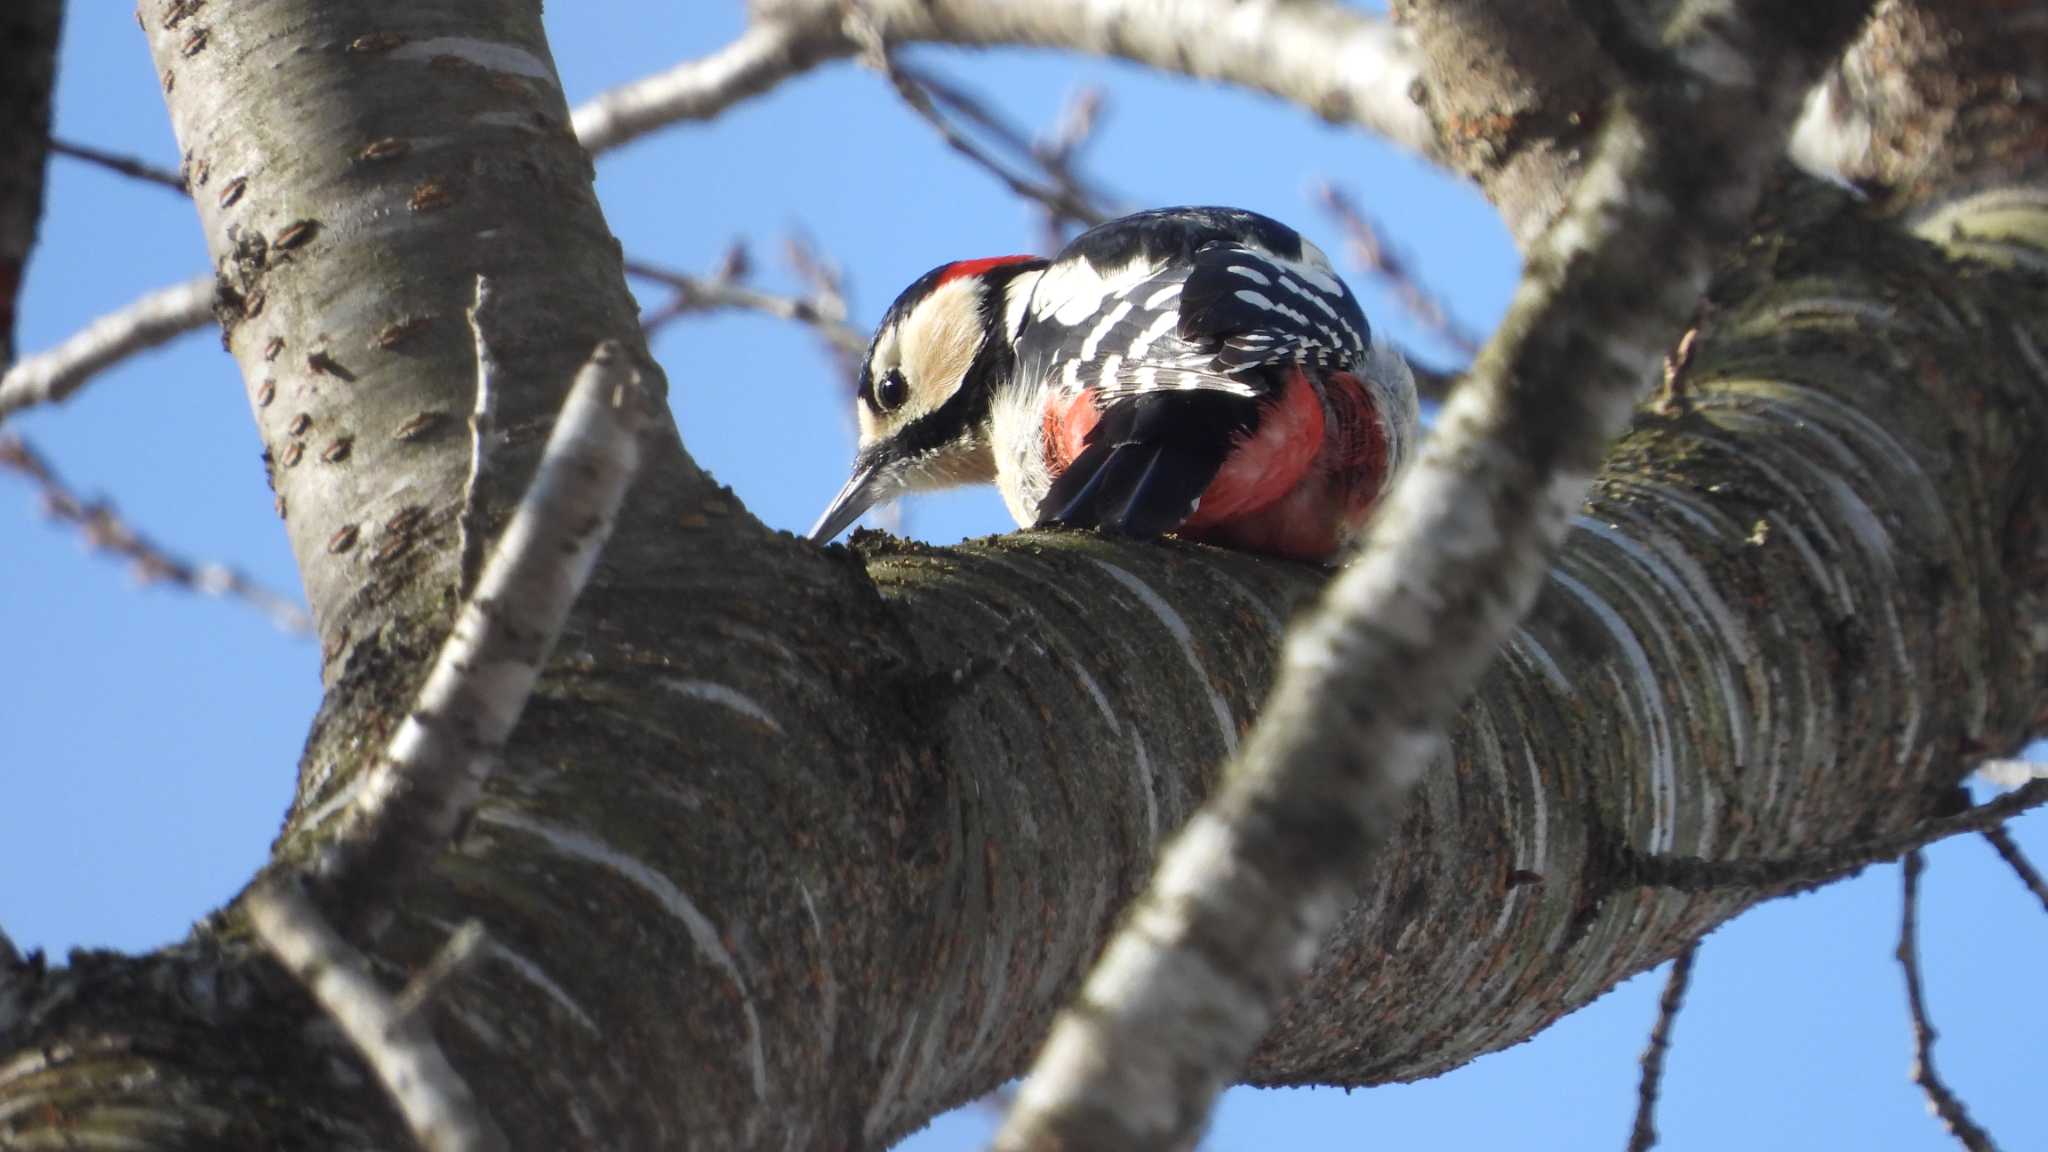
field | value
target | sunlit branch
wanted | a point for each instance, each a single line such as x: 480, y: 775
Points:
x: 163, y: 315
x: 412, y: 802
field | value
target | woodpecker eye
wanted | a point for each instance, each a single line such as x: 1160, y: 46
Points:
x: 891, y: 391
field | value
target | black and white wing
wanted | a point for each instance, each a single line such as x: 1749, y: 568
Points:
x: 1178, y: 326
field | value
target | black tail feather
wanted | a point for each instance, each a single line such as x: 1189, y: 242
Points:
x: 1147, y: 462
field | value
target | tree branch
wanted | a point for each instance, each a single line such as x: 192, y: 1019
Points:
x: 1064, y: 203
x: 1243, y: 897
x: 397, y: 1044
x: 29, y: 29
x: 51, y: 377
x: 1943, y: 1102
x: 823, y: 311
x: 410, y: 806
x: 1691, y: 874
x: 104, y: 530
x: 1372, y: 254
x: 1341, y: 64
x: 1643, y: 1136
x: 2002, y: 841
x: 114, y: 162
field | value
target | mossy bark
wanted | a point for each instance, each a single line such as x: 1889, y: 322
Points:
x: 796, y: 848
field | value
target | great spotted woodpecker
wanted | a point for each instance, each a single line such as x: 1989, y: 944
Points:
x: 1201, y: 371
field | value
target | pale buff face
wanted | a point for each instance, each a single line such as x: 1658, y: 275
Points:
x: 930, y: 350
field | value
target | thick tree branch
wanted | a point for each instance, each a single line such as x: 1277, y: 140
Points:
x: 1515, y: 90
x: 397, y: 1045
x: 408, y: 808
x: 28, y: 45
x: 752, y: 791
x: 1341, y: 64
x: 1244, y: 896
x: 1937, y: 100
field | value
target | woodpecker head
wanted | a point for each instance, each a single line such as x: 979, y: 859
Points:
x: 926, y: 386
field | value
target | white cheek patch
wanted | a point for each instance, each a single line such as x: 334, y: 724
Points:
x: 938, y: 342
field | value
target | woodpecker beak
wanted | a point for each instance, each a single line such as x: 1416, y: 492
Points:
x: 862, y: 491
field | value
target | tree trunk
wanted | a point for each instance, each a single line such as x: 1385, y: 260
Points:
x: 28, y: 73
x: 798, y: 848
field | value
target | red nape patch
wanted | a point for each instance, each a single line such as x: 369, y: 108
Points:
x: 960, y: 268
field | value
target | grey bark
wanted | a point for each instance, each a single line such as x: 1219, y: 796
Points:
x: 1242, y: 900
x: 28, y: 73
x: 797, y: 848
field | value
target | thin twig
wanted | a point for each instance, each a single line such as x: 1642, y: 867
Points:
x: 415, y: 799
x: 398, y: 1045
x: 163, y: 315
x: 1372, y: 253
x: 1939, y: 1099
x: 127, y: 166
x: 1643, y: 1136
x: 823, y: 312
x: 1056, y: 154
x: 1059, y: 153
x: 462, y: 948
x: 104, y: 531
x: 1693, y: 874
x: 2017, y: 860
x: 826, y: 282
x: 1065, y: 202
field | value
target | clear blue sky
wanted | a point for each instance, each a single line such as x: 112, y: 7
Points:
x: 148, y: 739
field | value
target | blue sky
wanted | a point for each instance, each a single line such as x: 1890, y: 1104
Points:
x: 148, y: 738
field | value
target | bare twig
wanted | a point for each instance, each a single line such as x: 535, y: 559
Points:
x: 823, y: 310
x: 104, y: 531
x: 462, y: 948
x: 1055, y: 154
x: 397, y: 1044
x: 483, y: 440
x: 1643, y: 1136
x: 1064, y: 202
x: 1939, y: 1099
x: 2002, y: 841
x: 827, y: 284
x: 1340, y: 63
x: 127, y: 166
x: 1059, y: 152
x: 413, y: 801
x: 157, y: 318
x: 1693, y: 874
x: 1241, y: 900
x: 1372, y: 253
